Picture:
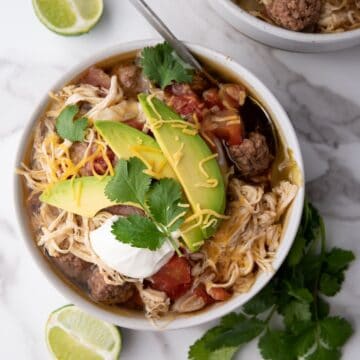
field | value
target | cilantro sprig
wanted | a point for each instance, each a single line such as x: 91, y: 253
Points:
x: 67, y: 127
x: 159, y: 199
x: 297, y: 294
x: 162, y: 65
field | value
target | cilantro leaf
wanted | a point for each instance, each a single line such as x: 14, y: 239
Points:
x: 322, y: 353
x: 261, y: 302
x: 301, y: 294
x: 130, y: 184
x: 236, y: 329
x: 297, y: 250
x: 161, y: 65
x: 200, y: 351
x: 323, y: 308
x: 69, y: 129
x: 138, y: 231
x: 338, y: 260
x: 305, y: 340
x: 163, y: 200
x: 296, y: 311
x: 330, y: 284
x: 335, y: 331
x: 276, y: 345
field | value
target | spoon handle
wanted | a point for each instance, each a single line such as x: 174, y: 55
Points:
x: 164, y: 31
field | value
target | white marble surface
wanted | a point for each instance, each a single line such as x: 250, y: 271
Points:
x: 320, y: 92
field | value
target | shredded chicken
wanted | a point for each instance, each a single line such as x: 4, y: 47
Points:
x: 156, y: 302
x: 248, y: 240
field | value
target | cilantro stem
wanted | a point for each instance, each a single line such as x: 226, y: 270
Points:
x: 322, y: 255
x: 270, y: 315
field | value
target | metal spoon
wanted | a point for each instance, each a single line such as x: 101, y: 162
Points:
x: 186, y: 55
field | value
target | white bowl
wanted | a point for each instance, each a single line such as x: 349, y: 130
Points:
x: 278, y: 37
x: 136, y: 320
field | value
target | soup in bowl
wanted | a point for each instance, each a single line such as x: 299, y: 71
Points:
x: 145, y: 191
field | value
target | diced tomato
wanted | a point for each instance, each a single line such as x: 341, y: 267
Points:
x: 212, y: 98
x: 232, y: 133
x: 219, y: 294
x: 174, y: 278
x: 201, y: 292
x: 135, y: 124
x: 186, y: 105
x: 184, y: 100
x: 100, y: 166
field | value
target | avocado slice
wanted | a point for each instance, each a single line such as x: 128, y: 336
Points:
x: 123, y: 139
x: 82, y: 196
x: 126, y: 141
x: 187, y: 153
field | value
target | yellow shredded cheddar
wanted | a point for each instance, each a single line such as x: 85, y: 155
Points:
x: 203, y: 161
x: 176, y: 218
x: 178, y: 155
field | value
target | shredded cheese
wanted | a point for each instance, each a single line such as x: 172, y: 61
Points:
x: 176, y: 218
x: 203, y: 161
x: 178, y: 155
x: 226, y: 118
x: 183, y: 205
x: 210, y: 183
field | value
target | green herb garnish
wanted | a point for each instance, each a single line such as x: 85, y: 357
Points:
x: 296, y: 293
x: 69, y: 129
x: 159, y: 199
x: 162, y: 65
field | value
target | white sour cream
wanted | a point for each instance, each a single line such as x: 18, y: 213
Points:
x: 127, y: 260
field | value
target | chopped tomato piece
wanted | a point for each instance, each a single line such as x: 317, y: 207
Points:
x: 219, y: 294
x: 201, y: 292
x: 174, y: 278
x: 232, y: 133
x: 185, y: 101
x: 212, y: 98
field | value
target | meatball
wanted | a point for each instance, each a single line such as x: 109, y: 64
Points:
x: 131, y: 79
x: 294, y: 14
x: 96, y: 77
x: 73, y: 267
x: 108, y: 294
x: 252, y: 156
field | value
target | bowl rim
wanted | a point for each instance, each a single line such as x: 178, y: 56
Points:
x: 285, y: 34
x: 180, y: 322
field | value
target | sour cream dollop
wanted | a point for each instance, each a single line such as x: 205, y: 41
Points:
x: 127, y: 260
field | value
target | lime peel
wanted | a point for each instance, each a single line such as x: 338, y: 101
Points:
x: 71, y: 333
x: 69, y: 17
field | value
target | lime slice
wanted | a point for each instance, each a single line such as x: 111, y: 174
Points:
x: 69, y: 17
x: 72, y: 334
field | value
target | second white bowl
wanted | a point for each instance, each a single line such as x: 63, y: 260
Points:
x: 278, y: 37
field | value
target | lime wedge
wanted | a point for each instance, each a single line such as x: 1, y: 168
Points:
x: 72, y: 334
x: 69, y: 17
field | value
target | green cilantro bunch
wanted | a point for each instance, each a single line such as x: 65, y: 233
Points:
x: 158, y: 199
x: 298, y: 294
